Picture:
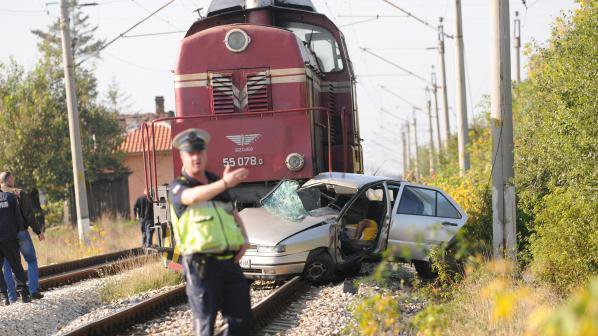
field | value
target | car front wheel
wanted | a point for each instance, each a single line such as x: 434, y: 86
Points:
x: 319, y: 269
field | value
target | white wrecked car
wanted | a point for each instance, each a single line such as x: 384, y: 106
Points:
x: 335, y: 220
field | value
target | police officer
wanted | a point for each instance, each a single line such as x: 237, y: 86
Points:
x: 10, y: 222
x: 210, y: 236
x: 25, y: 243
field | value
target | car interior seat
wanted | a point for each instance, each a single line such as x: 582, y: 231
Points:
x: 375, y: 211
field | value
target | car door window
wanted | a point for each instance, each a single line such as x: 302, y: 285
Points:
x: 418, y: 201
x: 393, y: 191
x: 445, y: 208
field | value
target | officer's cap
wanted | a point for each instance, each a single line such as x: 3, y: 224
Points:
x: 191, y: 140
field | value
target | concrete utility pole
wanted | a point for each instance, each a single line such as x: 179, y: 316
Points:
x: 431, y: 132
x: 517, y: 45
x: 74, y: 132
x: 408, y: 146
x: 435, y: 91
x: 416, y: 161
x: 462, y: 125
x: 504, y: 241
x: 405, y: 157
x: 447, y: 125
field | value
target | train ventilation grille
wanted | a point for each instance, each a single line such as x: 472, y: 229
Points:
x: 258, y: 92
x: 335, y: 124
x: 222, y: 93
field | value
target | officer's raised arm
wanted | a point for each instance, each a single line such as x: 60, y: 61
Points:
x: 202, y: 193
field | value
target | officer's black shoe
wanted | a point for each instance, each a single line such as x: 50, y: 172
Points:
x: 24, y: 294
x: 37, y: 296
x: 4, y: 299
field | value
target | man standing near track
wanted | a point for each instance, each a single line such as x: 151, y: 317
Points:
x: 211, y: 238
x: 10, y: 222
x: 144, y: 212
x: 28, y: 219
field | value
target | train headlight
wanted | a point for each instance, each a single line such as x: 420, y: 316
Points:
x: 237, y: 40
x: 294, y: 162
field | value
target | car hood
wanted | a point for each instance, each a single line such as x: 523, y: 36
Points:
x: 264, y: 228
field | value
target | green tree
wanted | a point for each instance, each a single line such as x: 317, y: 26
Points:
x: 33, y: 118
x: 557, y: 149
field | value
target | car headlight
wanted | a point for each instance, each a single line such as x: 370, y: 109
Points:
x: 237, y: 40
x: 271, y: 249
x: 294, y: 162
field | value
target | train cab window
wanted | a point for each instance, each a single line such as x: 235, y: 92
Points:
x: 321, y: 42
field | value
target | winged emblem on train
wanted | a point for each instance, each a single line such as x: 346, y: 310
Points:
x: 243, y: 139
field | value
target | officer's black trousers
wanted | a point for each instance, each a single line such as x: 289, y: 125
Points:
x: 9, y: 249
x: 220, y: 286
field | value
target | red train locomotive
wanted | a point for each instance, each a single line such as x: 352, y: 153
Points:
x: 272, y: 82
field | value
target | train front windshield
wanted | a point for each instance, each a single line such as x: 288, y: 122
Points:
x: 321, y: 42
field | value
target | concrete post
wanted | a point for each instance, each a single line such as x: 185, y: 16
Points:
x: 503, y: 190
x: 74, y: 132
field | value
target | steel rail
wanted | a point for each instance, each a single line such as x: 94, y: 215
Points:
x: 267, y: 309
x: 73, y: 265
x: 140, y: 312
x: 262, y: 312
x: 96, y: 271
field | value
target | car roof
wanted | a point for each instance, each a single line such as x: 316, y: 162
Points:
x: 349, y: 180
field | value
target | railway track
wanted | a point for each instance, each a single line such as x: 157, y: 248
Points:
x: 92, y: 267
x: 263, y: 312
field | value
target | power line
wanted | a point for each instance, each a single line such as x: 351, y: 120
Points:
x: 396, y: 65
x: 370, y: 16
x: 155, y: 34
x: 401, y: 98
x: 159, y: 17
x: 381, y: 75
x: 128, y: 30
x: 136, y: 65
x: 416, y: 18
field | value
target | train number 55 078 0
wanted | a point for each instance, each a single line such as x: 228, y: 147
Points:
x: 242, y: 161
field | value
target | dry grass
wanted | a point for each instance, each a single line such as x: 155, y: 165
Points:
x: 492, y: 300
x: 138, y: 276
x: 62, y: 242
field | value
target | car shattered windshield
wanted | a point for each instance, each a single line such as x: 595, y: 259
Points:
x: 286, y: 200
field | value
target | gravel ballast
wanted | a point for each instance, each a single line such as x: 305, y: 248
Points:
x: 322, y: 310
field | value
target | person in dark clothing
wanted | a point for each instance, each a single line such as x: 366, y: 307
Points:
x: 10, y: 222
x: 144, y: 212
x: 29, y: 219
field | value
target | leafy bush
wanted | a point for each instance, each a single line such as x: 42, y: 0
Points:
x: 557, y: 150
x: 54, y: 213
x: 565, y: 245
x: 378, y: 315
x: 577, y: 317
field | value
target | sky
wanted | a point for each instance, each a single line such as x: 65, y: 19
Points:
x: 142, y: 66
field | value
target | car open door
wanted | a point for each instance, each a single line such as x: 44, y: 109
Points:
x: 422, y: 218
x: 385, y: 227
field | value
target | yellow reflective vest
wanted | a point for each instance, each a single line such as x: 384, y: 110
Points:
x: 207, y: 227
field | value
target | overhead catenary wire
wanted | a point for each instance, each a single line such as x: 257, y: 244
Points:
x: 399, y: 97
x: 396, y: 65
x: 155, y: 34
x: 128, y: 30
x: 368, y: 18
x: 429, y: 25
x: 159, y: 17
